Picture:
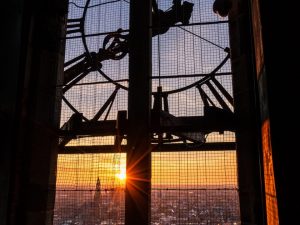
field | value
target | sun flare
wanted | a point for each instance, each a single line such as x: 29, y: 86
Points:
x: 122, y: 174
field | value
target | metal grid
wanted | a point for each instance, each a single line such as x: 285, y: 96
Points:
x: 196, y: 187
x: 91, y: 92
x: 185, y: 54
x: 187, y: 51
x: 79, y: 199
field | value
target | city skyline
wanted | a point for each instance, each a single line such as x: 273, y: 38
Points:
x: 168, y: 206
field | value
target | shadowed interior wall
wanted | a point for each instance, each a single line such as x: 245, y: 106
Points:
x: 29, y: 110
x: 9, y: 100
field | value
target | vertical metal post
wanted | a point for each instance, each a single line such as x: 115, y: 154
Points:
x: 246, y: 115
x: 138, y: 186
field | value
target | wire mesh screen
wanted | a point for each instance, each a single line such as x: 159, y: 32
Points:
x: 185, y: 54
x: 185, y: 57
x: 191, y: 67
x: 194, y: 188
x: 269, y: 179
x: 88, y: 94
x: 90, y: 189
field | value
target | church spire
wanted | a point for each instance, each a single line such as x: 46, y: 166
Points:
x: 97, y: 191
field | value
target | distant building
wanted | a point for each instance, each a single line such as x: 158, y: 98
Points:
x: 97, y: 195
x: 90, y: 212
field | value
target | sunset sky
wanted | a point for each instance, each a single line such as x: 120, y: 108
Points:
x: 177, y: 169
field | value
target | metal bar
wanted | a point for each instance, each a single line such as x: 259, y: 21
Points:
x: 120, y: 124
x: 216, y: 146
x: 205, y: 98
x: 166, y: 103
x: 93, y: 83
x: 73, y: 31
x: 95, y: 34
x: 157, y: 105
x: 217, y: 95
x: 172, y: 124
x: 223, y: 90
x: 138, y: 168
x: 202, y: 80
x: 109, y: 108
x: 111, y: 80
x: 176, y: 25
x: 158, y: 189
x: 96, y: 128
x: 92, y: 6
x: 203, y: 95
x: 74, y: 20
x: 74, y: 59
x: 247, y: 116
x: 200, y: 23
x: 153, y: 77
x: 106, y: 104
x: 65, y: 141
x: 190, y: 75
x: 74, y: 81
x: 194, y: 189
x: 205, y: 124
x: 72, y: 107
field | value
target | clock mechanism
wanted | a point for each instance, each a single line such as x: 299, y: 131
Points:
x: 201, y: 90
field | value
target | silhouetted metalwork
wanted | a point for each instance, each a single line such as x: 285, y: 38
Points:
x: 197, y: 101
x: 162, y: 21
x: 115, y: 45
x: 164, y: 125
x: 222, y: 7
x: 215, y: 118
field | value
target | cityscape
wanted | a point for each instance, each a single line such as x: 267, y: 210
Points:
x: 206, y: 205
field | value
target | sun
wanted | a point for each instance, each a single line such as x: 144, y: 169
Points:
x: 122, y: 174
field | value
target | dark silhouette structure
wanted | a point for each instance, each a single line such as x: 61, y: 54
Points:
x: 222, y: 7
x: 115, y: 45
x: 29, y: 100
x: 162, y: 21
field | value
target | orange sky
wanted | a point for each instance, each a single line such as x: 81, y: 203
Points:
x: 168, y: 169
